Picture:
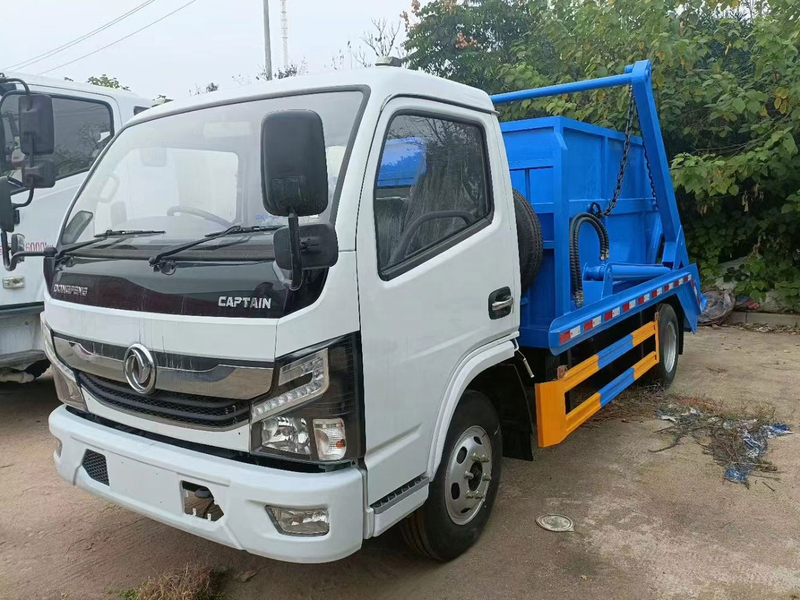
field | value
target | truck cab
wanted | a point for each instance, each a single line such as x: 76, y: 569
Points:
x: 286, y: 318
x: 85, y: 118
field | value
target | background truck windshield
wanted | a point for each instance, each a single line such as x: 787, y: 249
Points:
x: 198, y: 172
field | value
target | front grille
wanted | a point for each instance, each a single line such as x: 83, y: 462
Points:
x: 192, y: 409
x: 94, y: 464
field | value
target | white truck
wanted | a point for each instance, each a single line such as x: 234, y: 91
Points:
x: 85, y: 119
x: 288, y: 317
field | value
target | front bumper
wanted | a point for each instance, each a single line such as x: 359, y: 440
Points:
x: 146, y: 476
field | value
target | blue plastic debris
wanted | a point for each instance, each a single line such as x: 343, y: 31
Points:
x: 756, y: 444
x: 739, y: 461
x: 736, y: 474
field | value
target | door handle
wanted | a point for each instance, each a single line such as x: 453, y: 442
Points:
x: 500, y: 303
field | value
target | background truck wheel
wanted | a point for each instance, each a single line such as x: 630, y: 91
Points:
x: 669, y: 329
x: 38, y: 368
x: 462, y: 493
x: 529, y: 239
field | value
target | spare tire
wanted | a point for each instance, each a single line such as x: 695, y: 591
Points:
x: 529, y: 240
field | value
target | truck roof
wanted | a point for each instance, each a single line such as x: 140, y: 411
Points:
x: 64, y: 84
x: 384, y: 82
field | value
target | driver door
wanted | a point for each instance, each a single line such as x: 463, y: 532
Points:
x: 435, y: 242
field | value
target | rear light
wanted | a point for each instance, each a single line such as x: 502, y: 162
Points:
x: 320, y: 422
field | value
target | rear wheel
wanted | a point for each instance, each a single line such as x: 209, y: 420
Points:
x: 462, y: 494
x: 668, y: 346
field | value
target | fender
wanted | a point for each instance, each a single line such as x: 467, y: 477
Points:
x: 470, y: 367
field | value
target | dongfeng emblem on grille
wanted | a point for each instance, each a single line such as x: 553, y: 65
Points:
x: 140, y: 369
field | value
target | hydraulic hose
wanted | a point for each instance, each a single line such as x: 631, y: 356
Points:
x: 574, y: 256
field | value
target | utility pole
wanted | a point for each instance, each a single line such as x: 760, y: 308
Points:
x: 285, y: 34
x: 267, y: 44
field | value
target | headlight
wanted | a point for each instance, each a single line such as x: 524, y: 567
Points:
x: 67, y: 388
x: 310, y: 376
x: 314, y: 412
x: 286, y: 434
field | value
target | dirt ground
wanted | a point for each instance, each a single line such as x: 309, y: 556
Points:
x: 648, y: 525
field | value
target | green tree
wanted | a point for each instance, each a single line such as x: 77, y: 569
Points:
x: 106, y: 81
x: 727, y: 83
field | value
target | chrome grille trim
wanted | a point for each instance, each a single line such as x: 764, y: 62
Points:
x: 175, y: 373
x: 199, y: 412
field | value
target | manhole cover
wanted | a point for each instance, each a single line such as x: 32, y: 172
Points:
x: 558, y: 523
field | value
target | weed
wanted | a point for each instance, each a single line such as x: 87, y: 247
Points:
x: 189, y: 583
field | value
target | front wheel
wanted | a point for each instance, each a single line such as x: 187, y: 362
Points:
x: 463, y: 492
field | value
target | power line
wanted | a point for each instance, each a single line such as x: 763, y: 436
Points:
x: 86, y: 36
x: 169, y: 14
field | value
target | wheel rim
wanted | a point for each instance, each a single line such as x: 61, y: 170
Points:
x: 469, y: 474
x: 670, y: 347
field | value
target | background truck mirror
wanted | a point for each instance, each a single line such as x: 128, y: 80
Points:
x: 6, y: 206
x: 294, y: 166
x: 4, y: 162
x: 319, y: 247
x: 37, y: 133
x: 41, y: 174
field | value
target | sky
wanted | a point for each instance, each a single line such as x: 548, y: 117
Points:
x: 220, y: 41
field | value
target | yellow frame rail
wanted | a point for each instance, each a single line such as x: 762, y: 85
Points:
x: 553, y: 422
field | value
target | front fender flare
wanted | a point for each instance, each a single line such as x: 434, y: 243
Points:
x: 470, y: 367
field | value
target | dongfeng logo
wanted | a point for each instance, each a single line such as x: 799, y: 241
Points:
x: 70, y: 290
x: 140, y: 369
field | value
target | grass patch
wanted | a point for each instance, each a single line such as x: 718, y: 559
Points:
x: 189, y: 583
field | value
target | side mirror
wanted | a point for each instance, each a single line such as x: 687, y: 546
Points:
x: 319, y: 248
x: 36, y: 130
x: 7, y: 208
x: 294, y: 167
x: 40, y: 174
x: 17, y: 246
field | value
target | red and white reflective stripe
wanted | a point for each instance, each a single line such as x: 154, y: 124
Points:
x: 592, y: 324
x: 629, y: 305
x: 609, y: 315
x: 568, y: 335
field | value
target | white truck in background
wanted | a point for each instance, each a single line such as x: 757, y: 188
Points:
x: 85, y: 117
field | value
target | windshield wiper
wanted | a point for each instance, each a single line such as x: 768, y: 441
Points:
x: 233, y: 230
x: 110, y: 233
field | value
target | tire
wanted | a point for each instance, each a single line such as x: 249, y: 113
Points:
x: 445, y: 527
x: 529, y: 240
x: 668, y: 347
x: 37, y: 368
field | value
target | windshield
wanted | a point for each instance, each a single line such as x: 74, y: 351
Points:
x: 194, y: 173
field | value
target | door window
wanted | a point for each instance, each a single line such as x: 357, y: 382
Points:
x: 432, y: 188
x: 82, y: 129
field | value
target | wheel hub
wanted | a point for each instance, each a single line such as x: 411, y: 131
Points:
x: 670, y: 346
x: 469, y: 474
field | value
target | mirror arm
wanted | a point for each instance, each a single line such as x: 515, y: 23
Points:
x: 5, y: 79
x: 27, y: 202
x: 294, y: 248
